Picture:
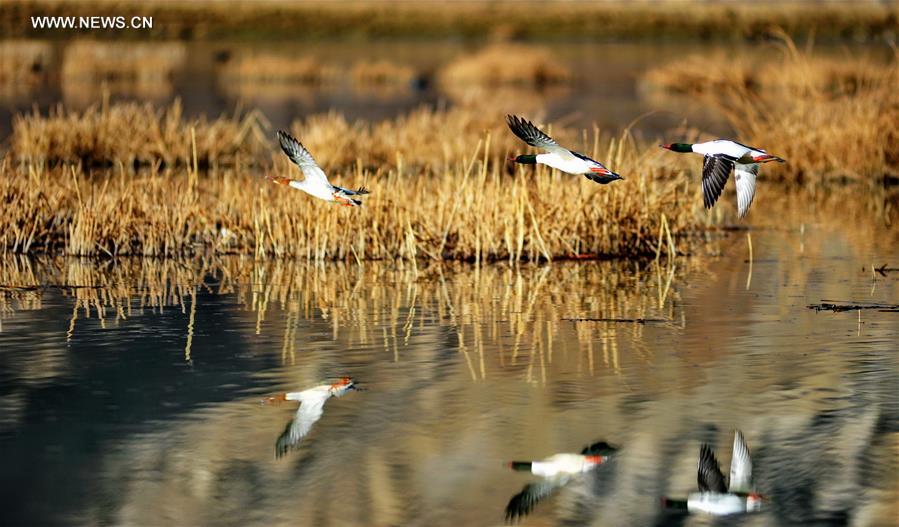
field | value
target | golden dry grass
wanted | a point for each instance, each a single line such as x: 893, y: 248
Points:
x: 137, y: 63
x: 24, y: 64
x: 268, y: 68
x: 133, y: 134
x: 269, y: 77
x: 506, y: 63
x: 382, y: 71
x: 831, y: 117
x: 139, y: 69
x: 23, y: 61
x: 447, y: 195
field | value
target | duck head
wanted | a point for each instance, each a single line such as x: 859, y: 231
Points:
x: 678, y: 147
x: 754, y: 501
x: 525, y: 159
x: 521, y: 466
x: 344, y: 384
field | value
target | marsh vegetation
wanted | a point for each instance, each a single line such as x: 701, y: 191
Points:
x: 830, y: 116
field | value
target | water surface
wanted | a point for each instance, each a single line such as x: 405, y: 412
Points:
x: 130, y: 390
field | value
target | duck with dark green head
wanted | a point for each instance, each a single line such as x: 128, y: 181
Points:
x: 556, y: 156
x: 721, y: 157
x: 555, y: 471
x: 716, y: 497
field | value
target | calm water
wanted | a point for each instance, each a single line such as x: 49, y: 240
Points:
x: 130, y: 391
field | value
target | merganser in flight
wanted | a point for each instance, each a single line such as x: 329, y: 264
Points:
x: 312, y: 402
x: 315, y: 181
x: 722, y: 156
x: 557, y: 156
x: 714, y: 497
x: 556, y: 471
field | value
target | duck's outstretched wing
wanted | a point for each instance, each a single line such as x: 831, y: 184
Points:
x: 358, y: 192
x: 740, y: 466
x: 524, y: 502
x: 600, y: 448
x: 530, y: 134
x: 709, y: 477
x: 744, y: 175
x: 299, y: 155
x: 310, y: 411
x: 715, y: 171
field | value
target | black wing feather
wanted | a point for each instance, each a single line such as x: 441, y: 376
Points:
x: 715, y: 171
x: 284, y: 443
x: 530, y: 134
x: 524, y: 502
x: 709, y: 477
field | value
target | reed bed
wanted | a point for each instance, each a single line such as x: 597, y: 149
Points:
x: 139, y: 69
x: 24, y: 64
x: 446, y: 195
x: 137, y: 63
x: 831, y: 117
x: 267, y: 68
x: 23, y: 61
x: 506, y: 63
x: 613, y: 20
x: 134, y: 134
x: 382, y: 72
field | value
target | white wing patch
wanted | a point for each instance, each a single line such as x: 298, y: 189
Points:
x: 740, y: 466
x: 745, y: 175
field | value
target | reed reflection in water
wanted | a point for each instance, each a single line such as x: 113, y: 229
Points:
x: 132, y: 388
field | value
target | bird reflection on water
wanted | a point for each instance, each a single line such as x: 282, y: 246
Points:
x: 469, y: 362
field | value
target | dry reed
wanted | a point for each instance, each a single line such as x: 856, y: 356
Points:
x: 268, y: 68
x: 142, y: 70
x: 130, y: 134
x: 24, y: 64
x: 267, y: 77
x: 379, y: 72
x: 831, y: 117
x: 446, y: 195
x: 23, y: 61
x: 506, y: 63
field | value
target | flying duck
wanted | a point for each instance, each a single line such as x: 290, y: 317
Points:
x: 722, y: 156
x: 714, y: 496
x: 556, y: 471
x: 312, y: 402
x: 556, y: 156
x: 314, y: 182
